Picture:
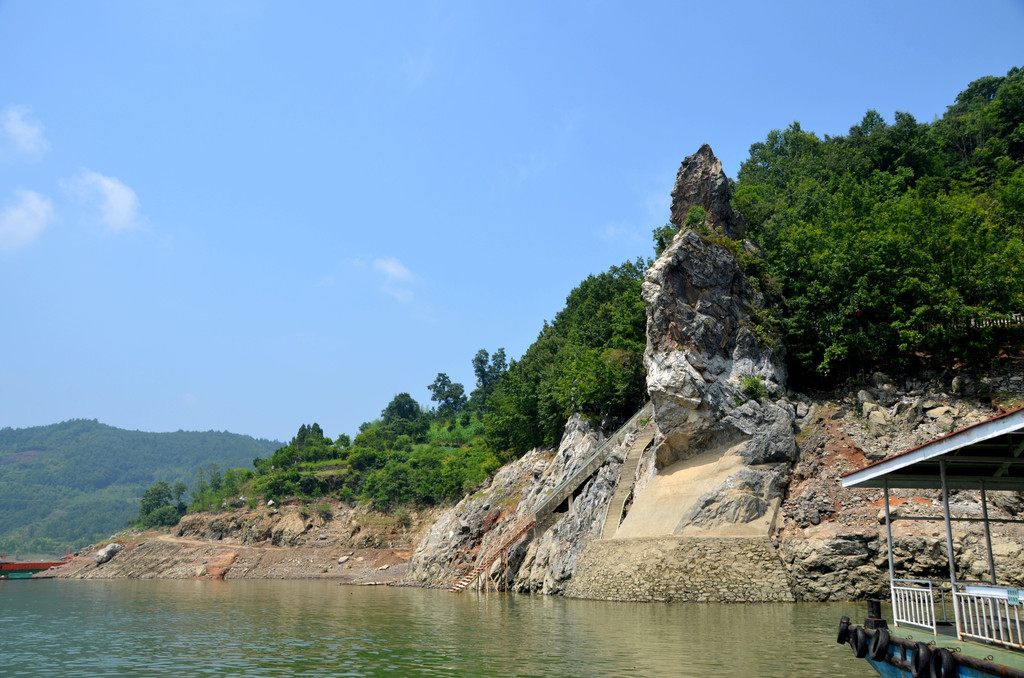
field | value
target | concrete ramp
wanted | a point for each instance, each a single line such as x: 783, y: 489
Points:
x: 659, y: 508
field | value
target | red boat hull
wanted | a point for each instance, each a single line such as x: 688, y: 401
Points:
x: 25, y: 570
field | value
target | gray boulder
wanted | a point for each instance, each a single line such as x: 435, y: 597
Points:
x: 108, y: 552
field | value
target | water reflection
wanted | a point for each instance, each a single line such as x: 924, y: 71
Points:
x: 311, y: 628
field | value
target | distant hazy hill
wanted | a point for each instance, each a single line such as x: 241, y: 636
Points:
x: 70, y: 484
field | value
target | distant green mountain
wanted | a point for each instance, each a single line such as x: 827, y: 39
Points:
x: 74, y: 483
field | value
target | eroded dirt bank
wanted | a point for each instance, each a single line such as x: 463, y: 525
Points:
x: 352, y: 546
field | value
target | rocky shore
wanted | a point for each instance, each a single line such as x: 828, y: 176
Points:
x: 351, y: 546
x: 828, y: 543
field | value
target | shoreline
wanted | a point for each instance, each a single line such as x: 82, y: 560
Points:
x: 158, y: 555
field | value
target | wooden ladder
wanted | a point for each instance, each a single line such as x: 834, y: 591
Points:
x: 484, y: 562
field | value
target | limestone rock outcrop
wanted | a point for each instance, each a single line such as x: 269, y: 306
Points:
x: 545, y: 560
x: 549, y: 561
x: 453, y: 543
x: 702, y: 183
x: 107, y: 552
x: 713, y: 381
x: 832, y: 539
x: 743, y: 477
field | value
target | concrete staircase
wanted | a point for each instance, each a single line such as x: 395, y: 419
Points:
x: 625, y: 486
x: 545, y: 511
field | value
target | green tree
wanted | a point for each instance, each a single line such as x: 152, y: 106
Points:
x: 588, y: 360
x: 488, y: 370
x: 153, y: 498
x: 697, y: 218
x: 895, y: 244
x: 450, y: 397
x: 403, y: 416
x: 178, y: 492
x: 662, y: 237
x: 161, y: 505
x: 308, y: 435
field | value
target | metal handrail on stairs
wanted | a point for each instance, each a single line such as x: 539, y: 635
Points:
x: 558, y: 494
x: 518, y: 530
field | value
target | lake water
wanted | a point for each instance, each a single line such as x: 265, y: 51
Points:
x: 315, y: 628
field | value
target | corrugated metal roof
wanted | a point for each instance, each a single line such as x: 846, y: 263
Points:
x: 991, y: 451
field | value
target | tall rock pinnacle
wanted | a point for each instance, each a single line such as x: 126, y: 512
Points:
x: 714, y: 380
x: 701, y: 182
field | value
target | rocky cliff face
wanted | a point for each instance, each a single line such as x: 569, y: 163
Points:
x: 832, y: 540
x: 546, y: 558
x: 713, y: 382
x: 549, y: 560
x: 740, y: 464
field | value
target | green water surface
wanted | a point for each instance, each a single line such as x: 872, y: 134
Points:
x: 316, y: 628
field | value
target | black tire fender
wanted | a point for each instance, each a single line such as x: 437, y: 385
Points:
x: 844, y: 630
x: 879, y: 648
x: 859, y: 642
x: 920, y: 663
x: 942, y: 664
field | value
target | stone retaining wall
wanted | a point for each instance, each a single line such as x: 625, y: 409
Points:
x: 693, y: 569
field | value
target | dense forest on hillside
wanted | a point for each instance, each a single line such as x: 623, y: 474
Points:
x: 411, y: 455
x: 589, y: 360
x: 69, y: 484
x: 896, y: 246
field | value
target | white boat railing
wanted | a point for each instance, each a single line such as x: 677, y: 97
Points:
x: 990, y: 614
x: 914, y: 602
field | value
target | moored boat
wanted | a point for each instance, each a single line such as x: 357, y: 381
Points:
x: 12, y: 570
x: 893, y: 655
x: 963, y: 628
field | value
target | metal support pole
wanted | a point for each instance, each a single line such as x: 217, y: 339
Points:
x: 888, y: 545
x: 949, y: 547
x: 988, y: 534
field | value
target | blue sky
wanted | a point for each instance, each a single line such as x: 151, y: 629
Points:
x: 247, y: 216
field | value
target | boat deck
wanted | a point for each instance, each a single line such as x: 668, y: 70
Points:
x: 946, y: 637
x: 974, y: 659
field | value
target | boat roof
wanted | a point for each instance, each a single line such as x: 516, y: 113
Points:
x: 991, y: 452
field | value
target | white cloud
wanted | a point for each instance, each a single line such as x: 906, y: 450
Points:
x: 22, y: 138
x: 428, y: 49
x: 326, y: 281
x: 118, y: 205
x: 392, y: 269
x: 22, y: 221
x: 397, y: 278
